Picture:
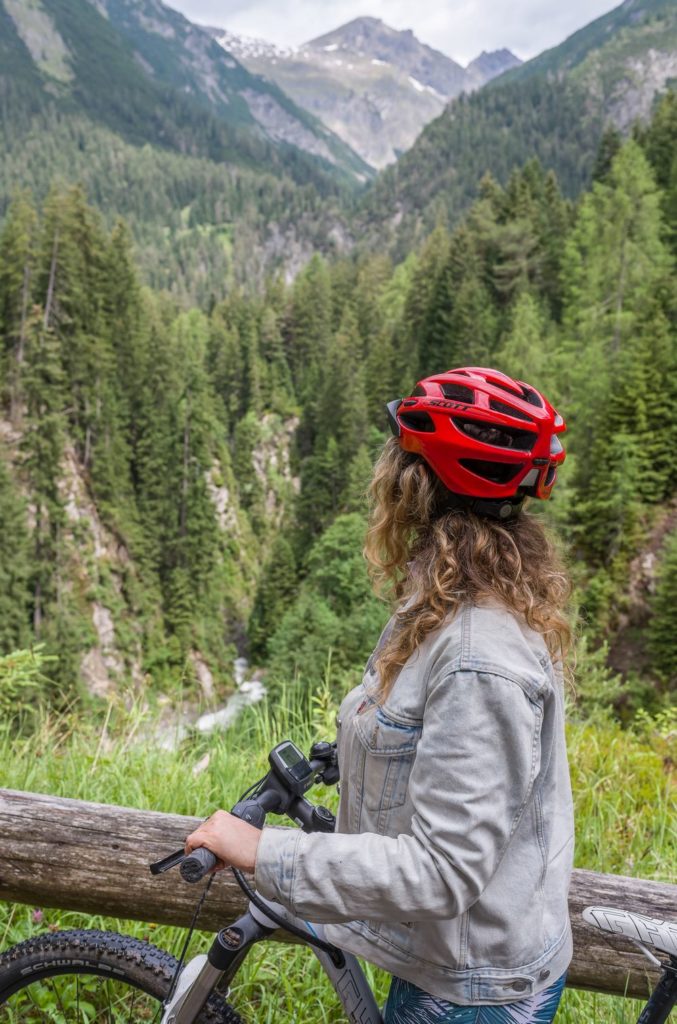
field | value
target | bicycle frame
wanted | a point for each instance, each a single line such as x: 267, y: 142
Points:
x: 230, y: 947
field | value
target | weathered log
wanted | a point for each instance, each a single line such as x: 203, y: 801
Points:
x: 94, y: 858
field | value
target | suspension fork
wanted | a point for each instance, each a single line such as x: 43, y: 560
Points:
x: 203, y: 973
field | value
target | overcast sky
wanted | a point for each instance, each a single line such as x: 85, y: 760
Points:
x: 460, y: 28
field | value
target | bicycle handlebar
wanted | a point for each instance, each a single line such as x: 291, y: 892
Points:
x: 271, y: 796
x: 197, y: 864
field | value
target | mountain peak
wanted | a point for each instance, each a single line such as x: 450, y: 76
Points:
x: 350, y: 33
x: 371, y: 38
x: 375, y: 86
x: 490, y: 64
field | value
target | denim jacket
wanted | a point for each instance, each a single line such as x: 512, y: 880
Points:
x: 451, y: 860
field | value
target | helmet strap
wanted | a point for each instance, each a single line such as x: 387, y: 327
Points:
x: 501, y: 509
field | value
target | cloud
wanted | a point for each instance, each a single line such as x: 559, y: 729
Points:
x: 461, y: 29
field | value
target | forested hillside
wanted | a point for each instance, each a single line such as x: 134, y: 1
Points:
x: 555, y: 107
x: 222, y: 179
x: 174, y: 482
x: 218, y: 174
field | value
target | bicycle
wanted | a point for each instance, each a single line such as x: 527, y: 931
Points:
x: 84, y: 976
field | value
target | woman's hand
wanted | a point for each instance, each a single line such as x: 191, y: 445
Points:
x: 232, y: 840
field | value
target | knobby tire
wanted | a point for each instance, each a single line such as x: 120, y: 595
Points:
x: 130, y: 966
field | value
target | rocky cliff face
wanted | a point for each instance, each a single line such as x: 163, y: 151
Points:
x: 373, y: 86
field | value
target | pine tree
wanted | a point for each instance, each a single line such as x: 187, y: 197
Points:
x: 274, y: 593
x: 14, y: 566
x: 18, y: 241
x: 42, y: 446
x: 381, y: 375
x: 354, y: 497
x: 659, y: 140
x: 609, y: 146
x: 226, y: 364
x: 251, y: 385
x: 322, y: 480
x: 422, y: 327
x: 372, y: 279
x: 343, y: 389
x: 663, y: 622
x: 72, y: 276
x: 309, y: 323
x: 194, y: 545
x: 524, y: 352
x: 606, y: 514
x: 277, y: 393
x: 615, y: 267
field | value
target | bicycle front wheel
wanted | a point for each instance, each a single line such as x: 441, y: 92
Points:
x: 91, y: 977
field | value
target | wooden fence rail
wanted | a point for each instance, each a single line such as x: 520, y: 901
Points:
x: 94, y: 858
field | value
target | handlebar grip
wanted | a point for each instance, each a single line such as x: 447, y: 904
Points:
x: 197, y: 864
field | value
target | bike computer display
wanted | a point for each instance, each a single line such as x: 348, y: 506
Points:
x: 291, y: 766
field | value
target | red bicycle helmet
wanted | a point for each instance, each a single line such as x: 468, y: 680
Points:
x: 490, y: 439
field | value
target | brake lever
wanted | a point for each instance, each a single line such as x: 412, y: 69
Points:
x: 167, y: 863
x: 248, y: 810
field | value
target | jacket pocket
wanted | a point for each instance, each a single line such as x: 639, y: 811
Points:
x: 389, y: 749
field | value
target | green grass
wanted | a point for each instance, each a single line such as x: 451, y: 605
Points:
x: 621, y: 785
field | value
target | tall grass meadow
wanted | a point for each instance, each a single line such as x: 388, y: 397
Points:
x: 621, y: 781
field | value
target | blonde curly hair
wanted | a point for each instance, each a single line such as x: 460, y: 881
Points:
x: 459, y: 558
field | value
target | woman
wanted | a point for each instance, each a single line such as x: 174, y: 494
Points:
x: 453, y: 851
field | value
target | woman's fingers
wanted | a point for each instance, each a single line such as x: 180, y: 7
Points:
x: 203, y: 837
x: 233, y: 841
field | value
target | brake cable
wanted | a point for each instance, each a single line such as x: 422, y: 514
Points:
x: 334, y: 952
x: 191, y: 929
x: 203, y: 896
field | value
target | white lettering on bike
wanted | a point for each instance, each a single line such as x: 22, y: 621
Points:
x: 47, y: 965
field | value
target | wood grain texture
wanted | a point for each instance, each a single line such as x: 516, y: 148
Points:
x: 94, y: 858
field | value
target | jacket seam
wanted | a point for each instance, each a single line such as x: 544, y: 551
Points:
x: 391, y: 749
x: 292, y: 885
x: 465, y: 633
x: 465, y: 933
x: 486, y: 970
x: 570, y: 839
x: 538, y: 809
x: 489, y: 669
x: 399, y: 718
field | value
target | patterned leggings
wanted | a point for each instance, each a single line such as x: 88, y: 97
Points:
x: 408, y: 1004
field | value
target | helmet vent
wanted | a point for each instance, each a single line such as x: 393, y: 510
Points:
x: 419, y: 391
x: 417, y: 420
x: 532, y: 397
x: 504, y: 387
x: 459, y: 392
x: 499, y: 437
x: 508, y: 410
x: 496, y: 472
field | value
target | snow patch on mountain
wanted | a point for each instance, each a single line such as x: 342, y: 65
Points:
x: 372, y: 85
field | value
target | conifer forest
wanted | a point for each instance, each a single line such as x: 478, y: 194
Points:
x: 224, y: 451
x: 190, y: 413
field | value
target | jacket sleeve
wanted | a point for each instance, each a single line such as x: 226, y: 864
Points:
x: 473, y: 774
